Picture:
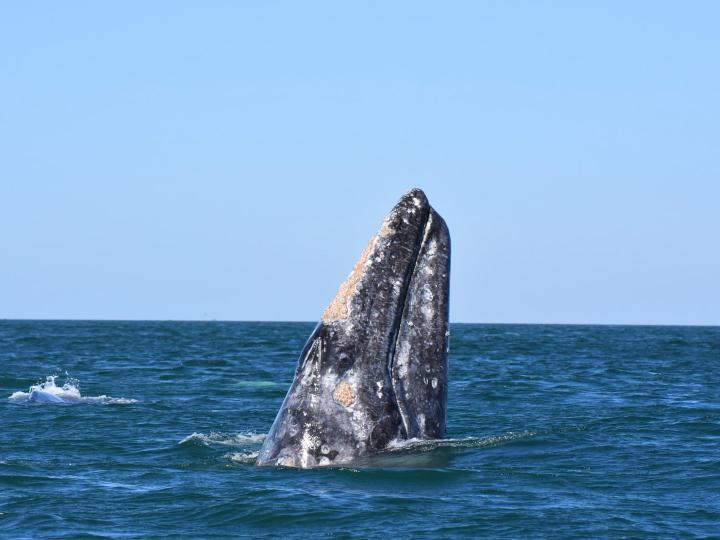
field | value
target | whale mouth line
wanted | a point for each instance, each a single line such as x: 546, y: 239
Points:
x: 404, y: 300
x: 404, y: 297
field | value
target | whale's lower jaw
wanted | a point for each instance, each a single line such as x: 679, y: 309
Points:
x: 374, y: 370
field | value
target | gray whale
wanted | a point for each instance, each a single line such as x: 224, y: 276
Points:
x: 374, y: 370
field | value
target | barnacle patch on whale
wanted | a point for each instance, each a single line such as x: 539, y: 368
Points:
x: 337, y: 310
x: 344, y: 394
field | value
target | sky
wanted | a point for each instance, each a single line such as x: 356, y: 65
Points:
x: 230, y: 160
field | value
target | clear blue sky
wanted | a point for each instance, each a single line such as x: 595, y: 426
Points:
x: 228, y: 160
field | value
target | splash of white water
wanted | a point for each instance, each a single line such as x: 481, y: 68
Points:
x: 68, y: 393
x: 242, y: 457
x: 225, y: 439
x: 425, y: 445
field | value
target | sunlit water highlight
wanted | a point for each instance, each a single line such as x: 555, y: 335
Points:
x: 553, y: 431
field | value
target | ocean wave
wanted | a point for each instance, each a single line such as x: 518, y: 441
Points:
x: 261, y: 384
x: 67, y: 394
x: 225, y: 439
x: 427, y: 445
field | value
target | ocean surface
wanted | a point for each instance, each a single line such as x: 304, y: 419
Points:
x: 150, y: 429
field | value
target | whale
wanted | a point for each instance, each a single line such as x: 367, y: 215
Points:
x: 374, y: 372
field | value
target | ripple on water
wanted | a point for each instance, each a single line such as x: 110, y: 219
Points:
x: 555, y: 431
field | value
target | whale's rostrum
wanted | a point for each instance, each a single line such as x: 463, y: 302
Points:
x: 374, y: 369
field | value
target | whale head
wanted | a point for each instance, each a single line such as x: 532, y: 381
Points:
x: 374, y: 369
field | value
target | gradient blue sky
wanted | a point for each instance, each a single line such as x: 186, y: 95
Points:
x: 228, y: 160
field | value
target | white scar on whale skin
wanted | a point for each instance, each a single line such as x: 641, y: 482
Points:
x: 308, y: 443
x: 426, y: 307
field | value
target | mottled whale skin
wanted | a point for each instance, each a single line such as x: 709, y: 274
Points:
x: 374, y: 370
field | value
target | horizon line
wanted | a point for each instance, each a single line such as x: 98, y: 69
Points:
x: 5, y: 319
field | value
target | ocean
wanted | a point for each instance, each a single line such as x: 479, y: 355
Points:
x: 150, y: 429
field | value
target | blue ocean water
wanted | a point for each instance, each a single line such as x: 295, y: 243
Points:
x: 553, y: 431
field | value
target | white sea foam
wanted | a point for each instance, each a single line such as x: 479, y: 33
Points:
x: 225, y: 439
x: 426, y: 445
x: 242, y: 457
x: 68, y: 393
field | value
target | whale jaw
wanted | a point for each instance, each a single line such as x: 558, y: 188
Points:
x: 375, y: 367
